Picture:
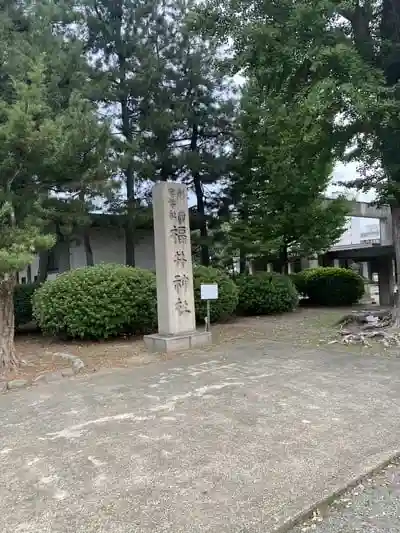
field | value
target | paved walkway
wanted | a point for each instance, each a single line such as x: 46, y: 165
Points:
x: 226, y: 442
x: 372, y: 507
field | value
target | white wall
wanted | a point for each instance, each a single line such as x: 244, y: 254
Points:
x: 108, y: 246
x: 356, y: 230
x: 23, y: 275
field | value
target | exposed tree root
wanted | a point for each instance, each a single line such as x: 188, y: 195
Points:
x: 8, y: 359
x: 362, y: 326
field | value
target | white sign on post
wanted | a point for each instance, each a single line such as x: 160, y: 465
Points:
x: 209, y: 291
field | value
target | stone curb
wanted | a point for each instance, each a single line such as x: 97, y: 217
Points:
x: 308, y: 511
x: 76, y: 366
x: 17, y: 384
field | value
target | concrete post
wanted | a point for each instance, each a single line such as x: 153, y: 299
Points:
x: 370, y: 270
x: 385, y: 281
x: 386, y: 231
x: 336, y: 263
x: 270, y: 267
x: 365, y: 269
x: 175, y: 296
x: 290, y: 268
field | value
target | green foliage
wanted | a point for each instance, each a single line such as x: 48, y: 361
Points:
x: 299, y: 282
x: 175, y: 113
x: 98, y: 302
x: 226, y: 304
x: 284, y: 164
x: 44, y: 148
x: 331, y: 58
x: 128, y: 38
x: 266, y: 293
x: 53, y: 144
x: 23, y: 303
x: 331, y: 286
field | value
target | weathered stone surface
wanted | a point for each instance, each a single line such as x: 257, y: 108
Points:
x: 176, y: 343
x: 77, y: 365
x: 17, y: 384
x: 175, y: 296
x: 67, y: 372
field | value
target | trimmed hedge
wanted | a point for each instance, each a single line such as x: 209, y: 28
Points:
x: 332, y: 286
x: 97, y: 302
x: 266, y: 293
x: 23, y: 313
x: 228, y: 295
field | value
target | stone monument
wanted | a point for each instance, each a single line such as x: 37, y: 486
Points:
x: 175, y: 297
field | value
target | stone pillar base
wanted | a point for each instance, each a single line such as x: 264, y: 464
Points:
x: 176, y: 343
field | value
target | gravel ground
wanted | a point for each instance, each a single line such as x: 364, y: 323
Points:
x: 303, y: 328
x: 371, y: 507
x: 307, y: 327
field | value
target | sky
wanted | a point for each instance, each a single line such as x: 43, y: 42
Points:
x: 347, y: 172
x: 356, y: 226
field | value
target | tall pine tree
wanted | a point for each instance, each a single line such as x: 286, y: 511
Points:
x: 128, y: 45
x: 196, y: 145
x: 40, y: 150
x: 166, y: 89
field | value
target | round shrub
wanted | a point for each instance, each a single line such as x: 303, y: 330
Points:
x: 97, y: 302
x: 23, y: 303
x: 266, y: 293
x: 333, y: 286
x: 226, y: 304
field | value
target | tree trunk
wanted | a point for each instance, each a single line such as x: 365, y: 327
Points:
x: 242, y: 262
x: 86, y: 233
x: 8, y: 357
x: 284, y: 260
x: 88, y: 248
x: 395, y: 212
x: 201, y: 211
x: 130, y: 193
x: 43, y: 265
x: 29, y: 274
x: 130, y: 240
x: 127, y: 133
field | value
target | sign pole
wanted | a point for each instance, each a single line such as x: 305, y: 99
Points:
x: 208, y: 292
x: 208, y: 324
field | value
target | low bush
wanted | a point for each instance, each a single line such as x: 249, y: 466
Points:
x: 266, y: 293
x: 332, y: 286
x: 97, y: 302
x: 299, y: 282
x: 23, y: 294
x: 226, y: 304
